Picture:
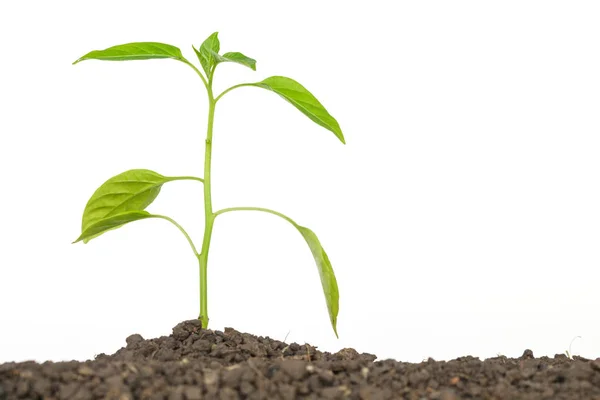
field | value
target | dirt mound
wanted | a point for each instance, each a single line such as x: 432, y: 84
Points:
x: 193, y: 363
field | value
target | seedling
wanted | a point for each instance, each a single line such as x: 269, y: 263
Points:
x: 568, y: 352
x: 123, y: 198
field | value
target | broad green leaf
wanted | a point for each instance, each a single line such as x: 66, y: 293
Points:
x: 303, y: 100
x: 328, y: 281
x: 132, y: 190
x: 135, y: 51
x: 237, y: 58
x: 106, y: 224
x: 206, y: 52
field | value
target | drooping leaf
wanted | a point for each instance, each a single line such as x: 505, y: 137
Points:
x: 328, y: 281
x: 237, y: 58
x: 114, y: 221
x: 303, y: 100
x: 206, y: 52
x: 134, y: 51
x: 132, y: 190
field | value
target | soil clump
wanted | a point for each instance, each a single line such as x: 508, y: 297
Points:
x: 193, y: 364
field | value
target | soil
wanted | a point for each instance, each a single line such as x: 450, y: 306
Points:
x: 193, y: 363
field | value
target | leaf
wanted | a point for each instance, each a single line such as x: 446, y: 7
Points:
x: 132, y: 190
x: 206, y: 53
x: 115, y: 221
x: 303, y: 100
x: 237, y: 58
x: 135, y: 51
x: 328, y: 281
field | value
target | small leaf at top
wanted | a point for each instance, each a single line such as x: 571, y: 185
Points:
x: 303, y: 100
x: 135, y: 51
x: 114, y: 221
x: 206, y: 52
x: 328, y: 281
x: 237, y: 58
x: 132, y: 190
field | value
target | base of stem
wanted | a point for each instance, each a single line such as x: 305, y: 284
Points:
x: 204, y: 321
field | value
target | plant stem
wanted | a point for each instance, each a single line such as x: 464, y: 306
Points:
x: 208, y: 214
x: 197, y: 72
x: 181, y: 229
x: 288, y: 219
x: 184, y: 178
x: 231, y: 88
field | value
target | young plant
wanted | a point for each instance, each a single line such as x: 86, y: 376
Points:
x: 124, y: 197
x: 568, y: 352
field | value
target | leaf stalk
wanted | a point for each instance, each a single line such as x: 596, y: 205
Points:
x: 171, y: 220
x: 231, y: 88
x: 262, y: 209
x: 197, y: 71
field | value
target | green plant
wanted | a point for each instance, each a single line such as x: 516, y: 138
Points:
x: 124, y: 197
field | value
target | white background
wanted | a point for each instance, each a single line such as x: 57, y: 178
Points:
x: 461, y: 218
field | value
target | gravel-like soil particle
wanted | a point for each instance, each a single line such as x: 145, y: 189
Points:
x: 193, y: 364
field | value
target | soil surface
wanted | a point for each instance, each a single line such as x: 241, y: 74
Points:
x: 193, y: 364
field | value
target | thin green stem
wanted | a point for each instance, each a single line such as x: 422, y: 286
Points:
x: 210, y: 79
x: 208, y: 214
x: 288, y: 219
x: 231, y: 88
x: 171, y: 220
x: 197, y: 71
x: 185, y: 178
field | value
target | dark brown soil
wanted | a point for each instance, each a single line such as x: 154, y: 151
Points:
x: 202, y: 364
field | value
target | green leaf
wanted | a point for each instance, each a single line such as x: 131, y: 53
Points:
x: 328, y: 281
x: 206, y: 53
x: 113, y: 222
x: 135, y: 51
x: 132, y: 190
x: 237, y: 58
x: 303, y: 100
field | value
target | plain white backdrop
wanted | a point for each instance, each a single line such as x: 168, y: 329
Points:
x: 461, y: 218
